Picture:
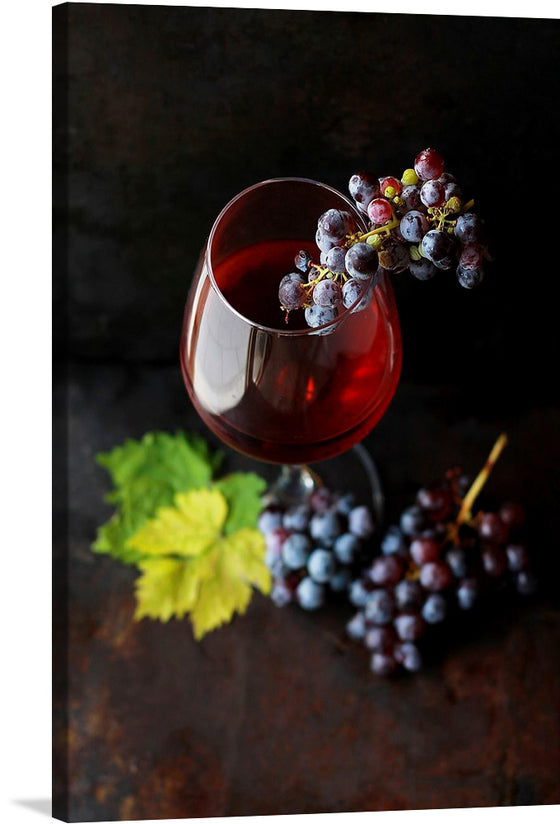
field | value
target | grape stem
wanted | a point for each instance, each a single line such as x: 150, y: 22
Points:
x: 386, y: 228
x: 466, y: 506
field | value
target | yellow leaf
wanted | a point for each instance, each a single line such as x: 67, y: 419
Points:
x: 165, y: 589
x: 189, y: 528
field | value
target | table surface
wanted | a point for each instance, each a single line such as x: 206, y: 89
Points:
x: 277, y: 712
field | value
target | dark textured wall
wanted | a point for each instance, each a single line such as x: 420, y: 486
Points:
x: 171, y: 111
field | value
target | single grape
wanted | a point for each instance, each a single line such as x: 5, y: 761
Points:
x: 291, y: 293
x: 325, y: 527
x: 320, y: 499
x: 494, y: 561
x: 321, y: 565
x: 409, y: 626
x: 390, y: 183
x: 295, y: 550
x: 512, y: 515
x: 470, y: 257
x: 526, y: 583
x: 423, y: 550
x: 358, y: 593
x: 363, y: 187
x: 470, y: 229
x: 432, y: 193
x: 380, y: 639
x: 387, y: 569
x: 456, y: 560
x: 361, y: 261
x: 352, y: 290
x: 394, y: 257
x: 275, y: 539
x: 452, y: 190
x: 296, y: 518
x: 422, y: 269
x: 393, y: 542
x: 356, y: 627
x: 323, y: 241
x: 281, y: 594
x: 492, y: 528
x: 428, y: 164
x: 327, y: 293
x: 335, y: 260
x: 408, y: 656
x: 408, y: 595
x: 412, y: 520
x: 316, y: 316
x: 446, y: 177
x: 303, y: 261
x: 410, y: 199
x: 439, y: 247
x: 310, y: 595
x: 269, y: 519
x: 277, y: 567
x: 382, y: 663
x: 435, y: 576
x: 360, y: 522
x: 517, y: 557
x: 380, y: 211
x: 469, y: 278
x: 436, y: 500
x: 379, y: 607
x: 346, y: 547
x: 467, y: 593
x: 434, y: 609
x: 414, y: 226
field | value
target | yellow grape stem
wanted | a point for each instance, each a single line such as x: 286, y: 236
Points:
x: 480, y: 480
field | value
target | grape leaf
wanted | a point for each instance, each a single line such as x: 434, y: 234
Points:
x: 146, y: 475
x: 242, y: 491
x: 213, y: 579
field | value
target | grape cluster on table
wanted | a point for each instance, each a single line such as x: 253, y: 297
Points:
x: 419, y: 222
x: 426, y: 570
x: 315, y: 548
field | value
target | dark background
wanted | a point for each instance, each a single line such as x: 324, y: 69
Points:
x: 161, y: 115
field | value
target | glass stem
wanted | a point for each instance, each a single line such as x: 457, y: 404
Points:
x: 295, y: 484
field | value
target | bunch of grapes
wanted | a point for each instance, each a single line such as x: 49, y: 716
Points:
x: 316, y: 548
x: 438, y: 561
x: 420, y: 223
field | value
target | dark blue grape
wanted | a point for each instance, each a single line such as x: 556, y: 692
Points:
x: 303, y: 261
x: 295, y: 550
x: 345, y: 503
x: 380, y: 639
x: 422, y: 269
x: 526, y: 583
x: 408, y: 595
x: 408, y: 655
x: 393, y: 542
x: 456, y: 559
x: 356, y: 627
x: 383, y: 663
x: 360, y: 522
x: 325, y: 527
x: 439, y: 247
x: 412, y: 520
x: 361, y: 261
x: 316, y: 316
x: 269, y: 519
x: 363, y: 187
x: 380, y: 607
x: 394, y: 257
x: 470, y: 229
x: 340, y: 580
x: 327, y: 293
x: 335, y: 260
x: 352, y: 290
x: 467, y: 593
x: 414, y: 226
x: 291, y: 293
x: 321, y: 565
x: 469, y: 278
x: 358, y: 593
x: 387, y: 569
x: 434, y: 609
x: 517, y: 557
x: 297, y: 518
x: 281, y: 594
x: 346, y: 547
x: 409, y: 627
x: 310, y: 595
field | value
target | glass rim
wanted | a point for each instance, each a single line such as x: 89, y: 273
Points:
x: 270, y: 329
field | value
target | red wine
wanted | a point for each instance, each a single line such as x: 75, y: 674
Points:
x: 277, y: 391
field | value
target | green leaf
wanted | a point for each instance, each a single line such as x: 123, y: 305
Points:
x: 146, y: 475
x: 243, y: 491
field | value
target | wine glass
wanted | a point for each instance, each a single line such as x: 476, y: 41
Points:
x: 279, y: 392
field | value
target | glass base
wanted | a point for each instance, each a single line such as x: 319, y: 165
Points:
x: 353, y: 471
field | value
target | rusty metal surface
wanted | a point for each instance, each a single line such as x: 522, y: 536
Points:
x: 277, y: 713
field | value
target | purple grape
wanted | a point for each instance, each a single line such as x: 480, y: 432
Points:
x: 325, y: 527
x: 434, y: 609
x: 423, y: 550
x: 291, y: 293
x: 335, y: 224
x: 494, y: 561
x: 327, y: 293
x: 409, y: 627
x: 360, y: 522
x: 439, y: 247
x: 361, y: 261
x: 275, y: 540
x: 320, y: 499
x: 363, y: 187
x: 432, y: 193
x: 414, y: 226
x: 467, y: 593
x: 382, y: 663
x: 422, y: 269
x: 408, y: 656
x: 295, y: 550
x: 452, y: 190
x: 492, y: 528
x: 380, y: 607
x: 321, y: 565
x: 310, y: 595
x: 394, y: 257
x: 380, y: 639
x: 316, y: 316
x: 346, y: 547
x: 352, y: 290
x: 410, y: 199
x: 435, y: 576
x: 388, y: 569
x: 356, y: 627
x: 469, y: 278
x: 408, y: 595
x: 469, y: 229
x: 281, y: 594
x: 335, y: 260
